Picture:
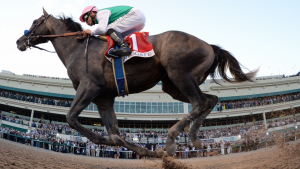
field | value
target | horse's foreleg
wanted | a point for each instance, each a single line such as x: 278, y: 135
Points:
x: 86, y: 92
x: 212, y: 101
x: 106, y: 110
x: 108, y: 115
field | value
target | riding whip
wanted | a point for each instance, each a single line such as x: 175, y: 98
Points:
x: 85, y: 52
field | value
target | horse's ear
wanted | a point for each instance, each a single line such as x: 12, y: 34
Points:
x: 45, y: 13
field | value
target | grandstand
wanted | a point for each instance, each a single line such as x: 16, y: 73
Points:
x: 271, y: 102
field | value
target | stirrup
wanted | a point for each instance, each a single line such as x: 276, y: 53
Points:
x: 111, y: 53
x: 123, y: 51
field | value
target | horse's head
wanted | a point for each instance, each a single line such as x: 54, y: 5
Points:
x: 31, y: 36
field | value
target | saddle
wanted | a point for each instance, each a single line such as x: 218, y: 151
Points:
x: 140, y: 47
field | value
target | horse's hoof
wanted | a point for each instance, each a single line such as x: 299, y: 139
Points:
x: 118, y: 141
x: 171, y: 149
x: 160, y: 153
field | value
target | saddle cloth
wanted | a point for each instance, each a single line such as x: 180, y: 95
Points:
x: 138, y: 42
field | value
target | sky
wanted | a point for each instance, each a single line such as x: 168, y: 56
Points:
x: 260, y: 34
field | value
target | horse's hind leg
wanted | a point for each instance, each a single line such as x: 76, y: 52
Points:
x: 86, y: 92
x: 188, y: 85
x: 213, y: 100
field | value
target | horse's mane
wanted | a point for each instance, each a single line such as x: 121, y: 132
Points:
x: 70, y: 24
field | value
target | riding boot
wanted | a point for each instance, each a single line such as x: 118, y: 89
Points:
x: 124, y: 49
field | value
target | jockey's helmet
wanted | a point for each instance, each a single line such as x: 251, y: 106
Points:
x: 86, y: 10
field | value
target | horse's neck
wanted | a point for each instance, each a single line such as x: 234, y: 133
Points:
x: 64, y: 46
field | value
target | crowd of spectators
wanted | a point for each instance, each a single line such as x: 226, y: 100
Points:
x: 260, y: 78
x: 47, y: 77
x: 262, y: 101
x: 233, y: 104
x: 286, y: 76
x: 251, y: 136
x: 43, y: 128
x: 36, y: 99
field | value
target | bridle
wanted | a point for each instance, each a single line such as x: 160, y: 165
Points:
x: 31, y: 34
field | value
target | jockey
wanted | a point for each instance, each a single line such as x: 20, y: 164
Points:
x: 116, y: 22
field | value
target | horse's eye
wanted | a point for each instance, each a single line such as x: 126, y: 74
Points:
x: 34, y: 21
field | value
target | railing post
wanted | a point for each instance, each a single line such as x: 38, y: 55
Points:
x: 265, y: 120
x: 1, y: 118
x: 31, y: 118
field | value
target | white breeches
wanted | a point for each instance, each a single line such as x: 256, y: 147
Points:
x: 133, y: 21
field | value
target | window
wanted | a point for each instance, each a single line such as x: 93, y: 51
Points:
x: 95, y: 108
x: 154, y: 107
x: 175, y: 107
x: 127, y: 107
x: 121, y: 107
x: 148, y: 107
x: 143, y: 107
x: 159, y: 107
x: 116, y: 107
x: 165, y: 107
x: 132, y: 107
x: 190, y: 107
x: 138, y: 107
x: 181, y: 107
x: 171, y: 109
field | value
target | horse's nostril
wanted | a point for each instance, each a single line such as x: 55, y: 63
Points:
x: 17, y: 41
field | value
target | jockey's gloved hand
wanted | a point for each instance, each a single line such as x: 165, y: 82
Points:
x: 87, y: 31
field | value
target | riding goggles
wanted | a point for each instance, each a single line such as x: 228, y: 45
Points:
x: 87, y: 15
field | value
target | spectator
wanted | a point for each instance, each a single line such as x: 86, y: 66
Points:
x: 97, y: 151
x: 222, y: 147
x: 63, y: 149
x: 93, y: 149
x: 187, y: 152
x: 228, y: 148
x: 88, y: 149
x: 56, y: 149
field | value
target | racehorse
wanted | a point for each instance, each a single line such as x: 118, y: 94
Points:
x: 182, y: 62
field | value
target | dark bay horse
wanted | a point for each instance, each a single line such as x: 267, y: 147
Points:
x: 182, y: 62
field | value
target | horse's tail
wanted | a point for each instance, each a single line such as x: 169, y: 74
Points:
x: 223, y: 61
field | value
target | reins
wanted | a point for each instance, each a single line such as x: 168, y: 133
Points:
x: 61, y: 35
x: 54, y: 36
x: 82, y: 33
x: 43, y: 49
x: 30, y: 35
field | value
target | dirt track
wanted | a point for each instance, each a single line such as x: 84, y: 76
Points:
x: 15, y: 155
